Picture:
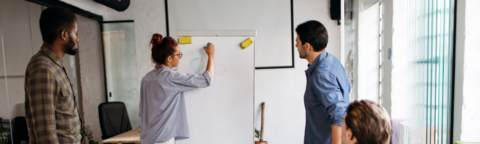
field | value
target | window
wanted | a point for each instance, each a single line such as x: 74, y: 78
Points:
x: 422, y: 71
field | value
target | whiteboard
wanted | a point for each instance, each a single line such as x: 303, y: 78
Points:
x: 271, y: 18
x: 223, y: 112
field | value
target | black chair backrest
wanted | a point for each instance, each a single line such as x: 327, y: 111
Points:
x: 19, y: 130
x: 113, y: 119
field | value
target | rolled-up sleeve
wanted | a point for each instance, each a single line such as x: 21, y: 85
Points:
x: 185, y: 82
x: 327, y: 90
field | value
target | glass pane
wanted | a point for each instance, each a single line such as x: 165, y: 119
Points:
x: 121, y: 66
x: 427, y: 67
x: 4, y: 106
x: 17, y: 48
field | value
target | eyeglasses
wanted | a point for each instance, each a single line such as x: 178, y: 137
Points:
x: 179, y: 55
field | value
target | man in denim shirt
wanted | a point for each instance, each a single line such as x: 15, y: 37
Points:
x: 327, y: 92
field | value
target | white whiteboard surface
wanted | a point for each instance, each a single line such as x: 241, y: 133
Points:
x: 223, y: 112
x: 271, y: 19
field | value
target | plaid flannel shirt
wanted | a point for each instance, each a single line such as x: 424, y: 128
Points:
x: 51, y: 111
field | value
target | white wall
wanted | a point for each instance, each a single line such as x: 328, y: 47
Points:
x: 466, y: 126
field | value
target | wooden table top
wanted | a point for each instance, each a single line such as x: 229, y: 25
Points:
x: 132, y: 136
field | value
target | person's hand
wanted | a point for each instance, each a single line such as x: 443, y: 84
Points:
x: 210, y: 49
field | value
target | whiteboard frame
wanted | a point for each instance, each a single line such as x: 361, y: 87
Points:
x: 216, y: 33
x: 262, y: 67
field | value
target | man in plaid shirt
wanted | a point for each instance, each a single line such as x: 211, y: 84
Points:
x: 51, y: 111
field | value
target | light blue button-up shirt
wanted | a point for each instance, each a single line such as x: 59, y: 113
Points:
x: 326, y: 98
x: 162, y: 103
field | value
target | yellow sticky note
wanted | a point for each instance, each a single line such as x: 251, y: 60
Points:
x: 246, y: 43
x: 185, y: 40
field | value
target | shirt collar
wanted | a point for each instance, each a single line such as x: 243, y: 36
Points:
x: 315, y: 63
x: 51, y: 55
x: 162, y: 66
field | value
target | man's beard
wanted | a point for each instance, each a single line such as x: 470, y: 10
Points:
x: 70, y: 47
x: 302, y: 55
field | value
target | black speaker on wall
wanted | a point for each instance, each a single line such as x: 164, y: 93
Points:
x: 119, y: 5
x: 335, y: 10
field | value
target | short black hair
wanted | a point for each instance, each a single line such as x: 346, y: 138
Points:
x: 314, y: 33
x: 54, y: 20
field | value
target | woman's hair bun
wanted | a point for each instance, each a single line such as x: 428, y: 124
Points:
x: 156, y: 39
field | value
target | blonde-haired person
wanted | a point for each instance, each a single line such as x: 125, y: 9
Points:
x: 162, y: 104
x: 366, y: 122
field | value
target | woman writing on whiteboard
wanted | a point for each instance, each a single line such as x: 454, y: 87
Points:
x: 162, y: 103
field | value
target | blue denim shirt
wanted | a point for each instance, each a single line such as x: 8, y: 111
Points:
x: 326, y: 98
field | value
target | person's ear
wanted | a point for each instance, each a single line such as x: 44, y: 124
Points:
x: 350, y: 135
x: 169, y: 59
x: 308, y: 46
x: 64, y: 35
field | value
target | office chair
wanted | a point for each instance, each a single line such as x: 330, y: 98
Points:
x: 113, y: 119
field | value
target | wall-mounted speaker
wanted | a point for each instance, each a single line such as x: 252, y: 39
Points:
x: 335, y: 9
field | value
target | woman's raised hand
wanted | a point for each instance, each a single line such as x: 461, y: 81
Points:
x: 210, y: 49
